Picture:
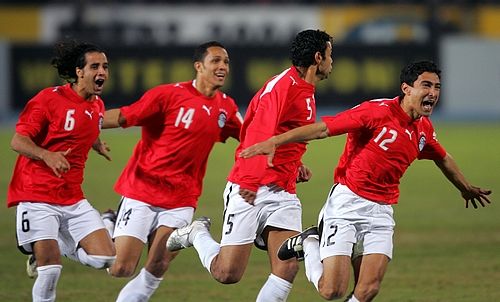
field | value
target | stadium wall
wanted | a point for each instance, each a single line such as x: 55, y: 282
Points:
x: 152, y: 44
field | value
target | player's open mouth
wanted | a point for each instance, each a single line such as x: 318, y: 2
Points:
x: 427, y: 104
x: 99, y: 82
x: 220, y: 76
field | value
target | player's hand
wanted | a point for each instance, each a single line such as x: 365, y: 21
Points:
x: 263, y: 148
x: 102, y: 149
x: 304, y: 174
x: 476, y: 195
x: 248, y: 195
x: 57, y: 161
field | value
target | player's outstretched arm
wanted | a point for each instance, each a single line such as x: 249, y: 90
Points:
x: 470, y: 193
x: 317, y: 130
x: 113, y: 119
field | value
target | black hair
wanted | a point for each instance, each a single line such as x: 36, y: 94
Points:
x: 410, y: 72
x: 201, y: 50
x: 69, y: 55
x: 306, y: 44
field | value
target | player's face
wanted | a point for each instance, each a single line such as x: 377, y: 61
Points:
x: 215, y: 67
x: 325, y: 66
x: 92, y: 76
x: 423, y: 95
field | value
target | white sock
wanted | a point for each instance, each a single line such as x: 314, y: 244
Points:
x: 312, y: 260
x: 352, y: 298
x: 206, y: 247
x: 139, y: 289
x: 95, y: 261
x: 110, y: 226
x: 274, y: 290
x: 67, y: 247
x: 44, y: 289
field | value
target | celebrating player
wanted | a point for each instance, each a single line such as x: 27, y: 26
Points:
x: 260, y: 203
x: 163, y: 179
x: 53, y: 136
x: 384, y: 136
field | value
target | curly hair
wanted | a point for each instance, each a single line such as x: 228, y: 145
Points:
x: 69, y: 55
x: 306, y: 44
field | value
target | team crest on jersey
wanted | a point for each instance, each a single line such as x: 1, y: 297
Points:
x: 421, y: 142
x: 222, y: 119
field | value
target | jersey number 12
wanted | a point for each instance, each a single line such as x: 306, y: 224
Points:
x: 386, y: 141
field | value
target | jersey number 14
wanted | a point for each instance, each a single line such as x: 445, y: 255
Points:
x: 184, y: 116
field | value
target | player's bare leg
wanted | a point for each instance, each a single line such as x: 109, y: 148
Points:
x: 47, y: 252
x: 229, y: 265
x: 279, y: 283
x: 159, y: 257
x: 98, y: 243
x: 96, y: 250
x: 334, y: 281
x: 369, y: 270
x: 143, y: 286
x: 128, y: 252
x: 286, y: 270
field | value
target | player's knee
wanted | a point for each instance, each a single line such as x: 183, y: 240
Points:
x: 367, y: 293
x: 228, y: 276
x: 287, y: 270
x: 121, y: 270
x: 99, y: 262
x: 332, y: 292
x: 159, y: 267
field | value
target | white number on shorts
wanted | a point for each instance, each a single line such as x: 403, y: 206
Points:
x: 387, y: 140
x: 184, y: 117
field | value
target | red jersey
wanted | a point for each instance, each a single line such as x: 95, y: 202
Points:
x: 56, y: 119
x: 179, y: 128
x: 285, y: 102
x: 382, y: 142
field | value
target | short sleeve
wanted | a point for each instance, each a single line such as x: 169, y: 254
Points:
x: 146, y: 108
x: 432, y: 149
x: 360, y: 116
x: 33, y: 118
x: 233, y: 124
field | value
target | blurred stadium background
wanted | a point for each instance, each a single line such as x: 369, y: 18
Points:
x: 150, y: 42
x: 446, y: 254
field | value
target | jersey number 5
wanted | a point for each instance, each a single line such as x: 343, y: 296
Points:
x: 309, y: 108
x: 386, y: 141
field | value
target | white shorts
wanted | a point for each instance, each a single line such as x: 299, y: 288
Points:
x: 244, y: 223
x: 351, y: 225
x: 139, y: 219
x: 38, y: 221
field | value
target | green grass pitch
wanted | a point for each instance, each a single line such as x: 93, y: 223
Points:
x: 443, y: 252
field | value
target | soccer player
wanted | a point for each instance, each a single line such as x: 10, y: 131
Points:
x: 384, y: 136
x: 53, y: 137
x: 163, y: 179
x: 260, y: 202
